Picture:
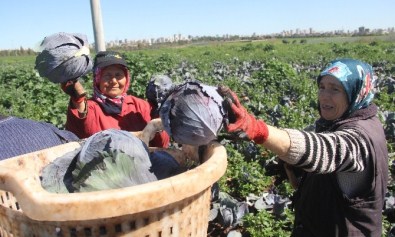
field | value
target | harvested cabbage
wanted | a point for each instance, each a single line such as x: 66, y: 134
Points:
x: 192, y: 113
x: 164, y: 165
x: 53, y: 176
x: 157, y: 89
x: 108, y: 159
x: 112, y: 159
x: 64, y: 57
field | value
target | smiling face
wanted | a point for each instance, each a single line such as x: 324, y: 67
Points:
x: 113, y: 80
x: 332, y: 98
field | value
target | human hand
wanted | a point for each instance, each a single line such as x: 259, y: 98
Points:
x: 74, y: 89
x: 239, y: 122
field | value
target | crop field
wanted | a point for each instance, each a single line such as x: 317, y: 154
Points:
x: 275, y: 80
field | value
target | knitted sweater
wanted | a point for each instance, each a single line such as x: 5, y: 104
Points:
x: 19, y: 136
x: 344, y: 151
x: 343, y: 192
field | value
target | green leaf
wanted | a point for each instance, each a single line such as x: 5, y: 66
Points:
x: 113, y: 169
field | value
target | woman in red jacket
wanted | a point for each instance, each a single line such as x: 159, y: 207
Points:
x: 110, y: 106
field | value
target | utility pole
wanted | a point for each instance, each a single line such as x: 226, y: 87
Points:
x: 97, y: 26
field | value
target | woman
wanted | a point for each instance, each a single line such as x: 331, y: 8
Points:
x: 345, y: 159
x: 110, y: 106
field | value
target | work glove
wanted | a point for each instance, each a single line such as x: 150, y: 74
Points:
x: 239, y: 122
x: 74, y: 89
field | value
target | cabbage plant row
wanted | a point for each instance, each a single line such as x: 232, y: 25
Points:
x: 275, y: 82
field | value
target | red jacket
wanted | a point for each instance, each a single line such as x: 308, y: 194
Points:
x: 134, y: 117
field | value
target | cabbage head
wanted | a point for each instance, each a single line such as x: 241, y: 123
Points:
x: 107, y: 160
x: 156, y: 91
x: 158, y: 87
x: 112, y: 159
x: 53, y: 176
x: 64, y: 57
x: 192, y: 113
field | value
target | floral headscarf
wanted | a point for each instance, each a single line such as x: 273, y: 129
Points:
x: 109, y: 105
x: 357, y: 79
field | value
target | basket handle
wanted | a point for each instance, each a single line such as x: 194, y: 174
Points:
x: 7, y: 179
x: 18, y: 182
x: 148, y: 133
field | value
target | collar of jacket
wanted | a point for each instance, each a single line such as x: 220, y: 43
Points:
x: 365, y: 113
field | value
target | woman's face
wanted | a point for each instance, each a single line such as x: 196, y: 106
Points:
x: 112, y: 81
x: 332, y: 97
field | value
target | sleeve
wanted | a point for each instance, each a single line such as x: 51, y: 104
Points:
x: 82, y: 127
x: 345, y: 150
x: 161, y: 139
x: 22, y: 136
x: 64, y: 135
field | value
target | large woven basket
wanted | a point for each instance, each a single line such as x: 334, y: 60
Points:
x: 176, y: 206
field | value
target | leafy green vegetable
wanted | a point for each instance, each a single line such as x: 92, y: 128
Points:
x: 113, y: 169
x: 53, y: 175
x: 192, y: 113
x: 111, y: 159
x: 107, y: 160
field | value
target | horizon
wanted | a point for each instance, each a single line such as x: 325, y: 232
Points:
x: 138, y: 20
x: 388, y: 29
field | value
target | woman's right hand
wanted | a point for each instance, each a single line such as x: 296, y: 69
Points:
x: 74, y: 89
x: 77, y: 94
x: 239, y: 122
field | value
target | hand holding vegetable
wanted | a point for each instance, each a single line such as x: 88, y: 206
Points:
x: 240, y: 123
x: 75, y: 90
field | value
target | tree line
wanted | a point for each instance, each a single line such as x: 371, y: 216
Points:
x: 17, y: 52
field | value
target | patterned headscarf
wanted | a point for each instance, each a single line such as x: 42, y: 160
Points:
x: 109, y: 105
x: 357, y: 79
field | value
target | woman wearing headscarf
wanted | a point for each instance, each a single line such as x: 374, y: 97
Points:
x: 345, y: 160
x: 110, y: 106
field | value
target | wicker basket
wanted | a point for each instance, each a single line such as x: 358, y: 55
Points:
x: 176, y: 206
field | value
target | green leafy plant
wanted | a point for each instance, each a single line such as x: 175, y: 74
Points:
x: 275, y: 80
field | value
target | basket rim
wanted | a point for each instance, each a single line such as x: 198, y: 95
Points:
x: 38, y: 204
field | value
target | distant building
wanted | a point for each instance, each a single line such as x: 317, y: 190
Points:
x: 310, y: 32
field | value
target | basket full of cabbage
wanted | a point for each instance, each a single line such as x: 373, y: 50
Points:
x: 116, y: 188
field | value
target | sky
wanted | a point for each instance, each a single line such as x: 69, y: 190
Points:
x: 24, y: 23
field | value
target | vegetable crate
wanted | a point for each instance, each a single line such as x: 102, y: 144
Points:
x: 176, y: 206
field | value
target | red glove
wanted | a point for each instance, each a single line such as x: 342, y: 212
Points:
x: 75, y: 90
x: 240, y: 122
